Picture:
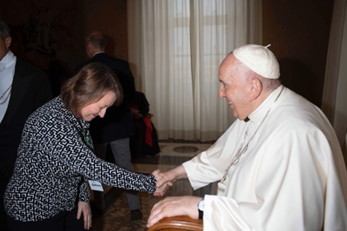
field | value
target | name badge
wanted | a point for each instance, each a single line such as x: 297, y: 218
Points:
x: 95, y: 185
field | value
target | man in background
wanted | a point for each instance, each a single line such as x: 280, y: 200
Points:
x: 279, y: 166
x: 117, y: 125
x: 23, y: 88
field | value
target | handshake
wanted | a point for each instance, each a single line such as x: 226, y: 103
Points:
x: 163, y: 182
x: 166, y: 179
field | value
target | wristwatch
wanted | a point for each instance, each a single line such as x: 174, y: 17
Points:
x: 201, y: 206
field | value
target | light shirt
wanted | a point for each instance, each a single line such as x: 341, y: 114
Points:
x: 292, y: 176
x: 7, y: 69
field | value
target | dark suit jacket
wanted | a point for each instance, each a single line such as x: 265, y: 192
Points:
x: 30, y: 89
x: 117, y: 122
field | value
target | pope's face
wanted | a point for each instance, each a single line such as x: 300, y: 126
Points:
x: 4, y: 46
x: 99, y: 107
x: 234, y: 86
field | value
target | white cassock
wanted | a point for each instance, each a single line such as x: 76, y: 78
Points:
x: 291, y: 177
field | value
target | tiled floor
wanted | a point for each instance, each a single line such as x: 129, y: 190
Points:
x: 117, y: 216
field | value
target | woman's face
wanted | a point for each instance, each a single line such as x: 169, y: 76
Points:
x: 99, y: 107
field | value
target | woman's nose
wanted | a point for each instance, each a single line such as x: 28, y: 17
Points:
x: 102, y: 113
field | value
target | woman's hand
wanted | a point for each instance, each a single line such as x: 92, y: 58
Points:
x: 84, y: 208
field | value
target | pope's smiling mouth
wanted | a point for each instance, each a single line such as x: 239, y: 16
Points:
x: 231, y: 105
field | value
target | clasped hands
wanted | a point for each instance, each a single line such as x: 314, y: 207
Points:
x: 163, y: 182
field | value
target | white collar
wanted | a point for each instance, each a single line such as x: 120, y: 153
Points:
x: 268, y: 103
x: 7, y: 60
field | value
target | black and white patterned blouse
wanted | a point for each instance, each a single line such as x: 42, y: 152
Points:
x: 54, y: 164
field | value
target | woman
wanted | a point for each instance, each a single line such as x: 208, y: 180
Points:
x: 49, y: 187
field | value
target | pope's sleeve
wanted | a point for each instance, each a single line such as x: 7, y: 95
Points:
x: 209, y: 165
x: 200, y: 173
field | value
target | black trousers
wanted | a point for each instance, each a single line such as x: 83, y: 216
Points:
x: 64, y: 221
x: 6, y: 170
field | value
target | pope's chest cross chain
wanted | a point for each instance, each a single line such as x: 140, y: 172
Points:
x: 243, y: 147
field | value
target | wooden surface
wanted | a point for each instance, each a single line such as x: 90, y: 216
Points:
x: 177, y: 223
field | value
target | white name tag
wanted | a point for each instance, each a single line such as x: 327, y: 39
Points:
x: 95, y: 185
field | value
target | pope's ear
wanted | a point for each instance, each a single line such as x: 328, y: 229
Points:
x: 255, y: 88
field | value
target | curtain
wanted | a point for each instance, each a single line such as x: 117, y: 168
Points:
x: 175, y: 49
x: 335, y: 83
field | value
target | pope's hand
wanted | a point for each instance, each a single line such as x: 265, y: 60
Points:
x: 174, y: 206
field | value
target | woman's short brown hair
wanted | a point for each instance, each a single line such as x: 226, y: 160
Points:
x: 89, y: 85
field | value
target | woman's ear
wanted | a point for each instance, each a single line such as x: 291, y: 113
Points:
x: 256, y: 88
